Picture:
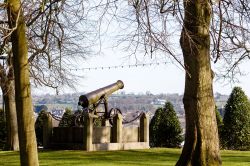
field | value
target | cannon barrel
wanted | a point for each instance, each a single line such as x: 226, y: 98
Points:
x: 95, y: 96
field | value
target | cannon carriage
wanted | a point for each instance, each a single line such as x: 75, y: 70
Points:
x: 91, y: 102
x: 85, y: 135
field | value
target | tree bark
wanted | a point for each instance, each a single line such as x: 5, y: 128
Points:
x: 25, y: 114
x: 8, y: 91
x: 11, y: 118
x: 201, y: 146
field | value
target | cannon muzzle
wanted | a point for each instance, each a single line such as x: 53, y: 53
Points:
x: 94, y: 96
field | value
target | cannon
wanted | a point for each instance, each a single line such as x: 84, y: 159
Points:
x: 90, y: 101
x: 95, y: 96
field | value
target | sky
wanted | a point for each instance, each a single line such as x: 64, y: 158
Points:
x: 162, y: 78
x: 156, y: 78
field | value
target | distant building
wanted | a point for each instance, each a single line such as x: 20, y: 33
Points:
x: 159, y: 102
x: 58, y: 112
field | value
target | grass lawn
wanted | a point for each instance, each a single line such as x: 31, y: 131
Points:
x: 156, y: 156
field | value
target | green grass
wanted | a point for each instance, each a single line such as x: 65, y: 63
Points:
x: 150, y: 157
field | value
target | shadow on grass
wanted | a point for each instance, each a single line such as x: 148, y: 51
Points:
x: 152, y: 157
x: 236, y: 157
x: 133, y: 157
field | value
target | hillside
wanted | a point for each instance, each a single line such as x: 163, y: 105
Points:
x: 130, y: 104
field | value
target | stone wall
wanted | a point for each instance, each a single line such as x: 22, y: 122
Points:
x: 67, y: 134
x: 92, y: 138
x: 101, y: 134
x: 130, y: 134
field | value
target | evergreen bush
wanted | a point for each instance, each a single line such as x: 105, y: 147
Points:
x: 39, y: 127
x: 165, y: 128
x: 67, y: 119
x: 236, y: 129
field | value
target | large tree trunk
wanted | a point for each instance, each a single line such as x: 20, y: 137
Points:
x: 201, y: 146
x: 8, y: 91
x: 25, y: 114
x: 10, y: 108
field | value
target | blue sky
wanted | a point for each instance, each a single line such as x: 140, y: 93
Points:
x: 162, y: 78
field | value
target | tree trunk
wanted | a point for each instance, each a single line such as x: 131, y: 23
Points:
x: 201, y: 146
x: 11, y: 118
x: 7, y: 86
x: 25, y: 114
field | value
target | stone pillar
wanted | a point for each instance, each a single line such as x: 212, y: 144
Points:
x: 88, y: 132
x: 117, y: 129
x: 144, y: 128
x: 47, y: 130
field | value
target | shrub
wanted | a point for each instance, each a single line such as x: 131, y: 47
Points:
x: 67, y: 119
x: 39, y: 127
x: 165, y: 129
x: 236, y: 129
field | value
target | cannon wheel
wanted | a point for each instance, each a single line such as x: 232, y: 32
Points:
x: 79, y: 117
x: 112, y: 113
x: 79, y: 120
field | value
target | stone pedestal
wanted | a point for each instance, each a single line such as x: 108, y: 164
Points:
x: 117, y: 129
x: 47, y: 130
x: 88, y: 132
x: 144, y: 128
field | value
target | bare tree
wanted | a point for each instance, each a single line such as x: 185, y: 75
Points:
x: 151, y: 26
x: 201, y: 139
x: 8, y: 92
x: 26, y: 129
x: 56, y: 32
x: 7, y: 82
x: 230, y: 36
x: 59, y: 36
x: 54, y: 39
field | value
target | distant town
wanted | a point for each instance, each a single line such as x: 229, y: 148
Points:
x: 129, y: 103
